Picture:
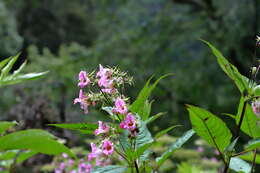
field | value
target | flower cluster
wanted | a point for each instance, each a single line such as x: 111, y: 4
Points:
x: 103, y: 87
x: 104, y: 82
x: 72, y: 166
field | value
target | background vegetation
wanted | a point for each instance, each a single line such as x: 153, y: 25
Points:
x: 144, y: 37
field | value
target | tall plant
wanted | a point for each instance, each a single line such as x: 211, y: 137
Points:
x: 215, y: 131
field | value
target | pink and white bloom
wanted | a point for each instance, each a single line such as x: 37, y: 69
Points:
x: 256, y: 108
x: 83, y: 101
x: 95, y: 152
x: 102, y: 128
x: 104, y: 72
x: 107, y: 147
x: 120, y: 106
x: 129, y: 123
x: 83, y: 79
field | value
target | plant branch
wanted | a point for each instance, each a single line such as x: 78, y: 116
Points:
x: 253, y: 162
x: 241, y: 118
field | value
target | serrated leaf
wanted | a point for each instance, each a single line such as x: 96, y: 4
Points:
x: 239, y: 165
x: 143, y: 136
x: 139, y: 104
x: 253, y: 144
x: 36, y: 140
x: 82, y: 127
x: 151, y: 119
x: 240, y: 80
x: 250, y: 123
x: 109, y: 169
x: 176, y: 145
x: 209, y: 127
x: 5, y: 125
x: 163, y: 132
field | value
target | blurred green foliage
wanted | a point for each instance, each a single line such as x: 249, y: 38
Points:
x: 143, y: 37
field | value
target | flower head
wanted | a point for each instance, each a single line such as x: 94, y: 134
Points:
x: 83, y: 101
x: 104, y: 72
x: 95, y: 152
x: 129, y: 123
x: 84, y: 168
x: 107, y: 147
x: 120, y: 106
x: 83, y: 79
x: 102, y: 128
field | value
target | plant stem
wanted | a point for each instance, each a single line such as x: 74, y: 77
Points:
x: 226, y: 168
x: 238, y: 154
x: 253, y: 162
x: 136, y: 167
x: 241, y: 118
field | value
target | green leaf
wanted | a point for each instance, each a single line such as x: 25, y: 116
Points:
x: 8, y: 67
x: 256, y: 91
x: 8, y: 155
x: 82, y: 127
x: 109, y: 169
x: 209, y: 127
x: 147, y: 109
x: 10, y: 80
x: 163, y: 132
x: 4, y: 62
x: 25, y: 155
x: 249, y: 157
x: 18, y: 71
x: 253, y: 144
x: 151, y: 119
x: 176, y: 145
x: 230, y: 148
x: 5, y: 125
x: 240, y: 80
x: 139, y: 104
x: 250, y: 123
x: 35, y: 140
x: 143, y: 136
x: 239, y: 165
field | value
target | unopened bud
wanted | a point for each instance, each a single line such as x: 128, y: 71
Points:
x: 253, y: 70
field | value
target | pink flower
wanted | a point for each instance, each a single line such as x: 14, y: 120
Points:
x: 102, y: 128
x: 71, y: 162
x: 95, y: 152
x: 83, y: 79
x: 104, y: 72
x: 200, y: 149
x: 64, y: 155
x: 121, y: 106
x: 256, y: 108
x: 129, y: 122
x: 62, y: 166
x: 213, y: 159
x: 83, y: 101
x: 107, y: 147
x: 84, y: 168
